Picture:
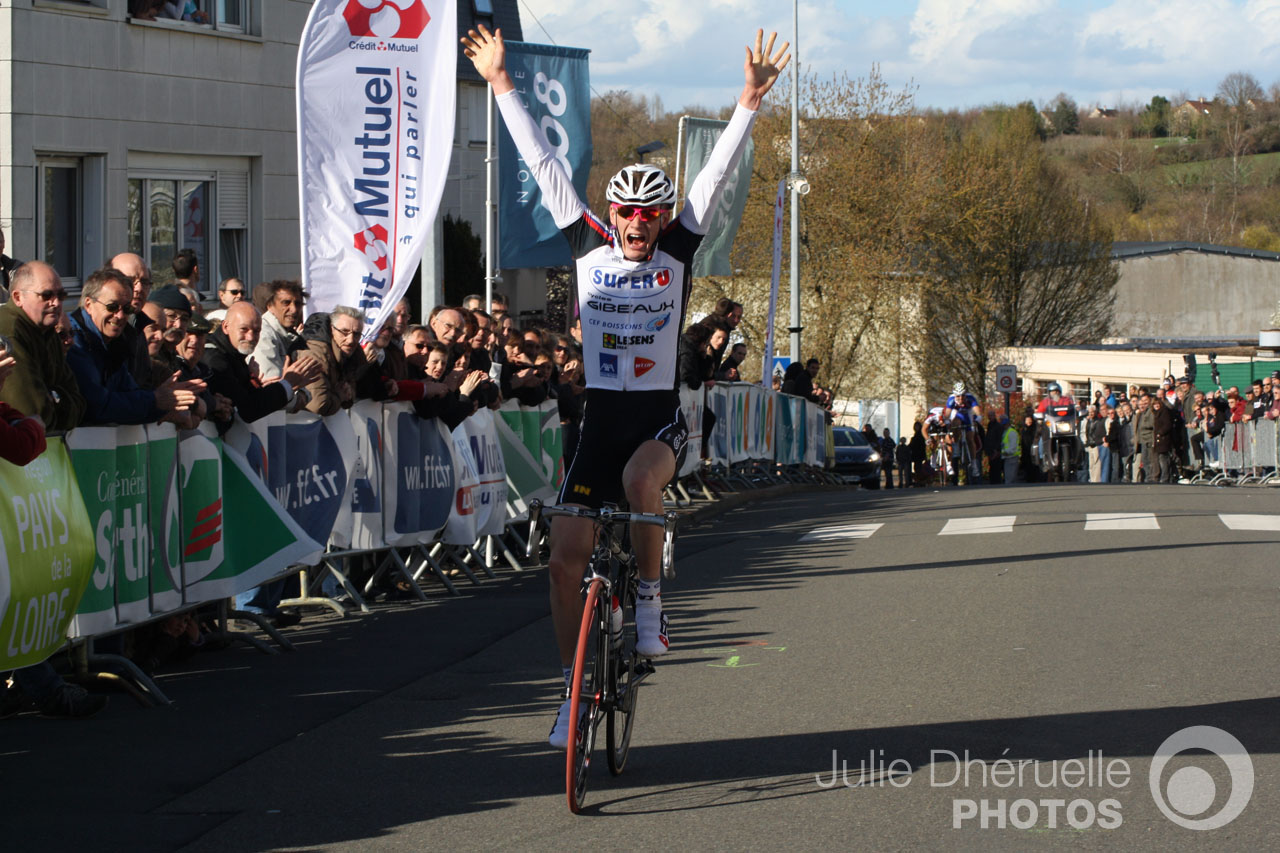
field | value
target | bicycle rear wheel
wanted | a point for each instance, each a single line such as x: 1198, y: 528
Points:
x: 622, y: 714
x: 589, y: 667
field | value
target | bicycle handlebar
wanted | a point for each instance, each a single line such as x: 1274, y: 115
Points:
x: 607, y: 515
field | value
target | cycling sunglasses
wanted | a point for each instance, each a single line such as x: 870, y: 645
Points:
x: 631, y: 211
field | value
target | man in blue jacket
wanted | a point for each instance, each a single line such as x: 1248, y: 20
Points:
x: 99, y: 357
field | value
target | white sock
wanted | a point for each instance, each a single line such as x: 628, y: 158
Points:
x: 649, y: 593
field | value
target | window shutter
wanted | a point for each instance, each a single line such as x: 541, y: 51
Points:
x: 233, y: 199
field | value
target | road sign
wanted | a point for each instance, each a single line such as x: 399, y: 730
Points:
x: 1006, y: 378
x: 780, y: 365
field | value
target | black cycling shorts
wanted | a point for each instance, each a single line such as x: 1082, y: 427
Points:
x: 614, y: 425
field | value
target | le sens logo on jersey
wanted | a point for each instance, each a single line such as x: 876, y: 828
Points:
x: 632, y: 284
x: 612, y: 341
x: 643, y: 366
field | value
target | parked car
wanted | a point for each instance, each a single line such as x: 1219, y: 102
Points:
x: 856, y: 458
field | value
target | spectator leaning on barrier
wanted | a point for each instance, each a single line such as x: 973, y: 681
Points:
x: 280, y: 305
x: 8, y: 266
x: 227, y: 355
x: 43, y: 384
x: 729, y: 371
x: 798, y: 380
x: 99, y: 359
x: 334, y: 340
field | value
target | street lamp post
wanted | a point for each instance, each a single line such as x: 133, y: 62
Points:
x: 795, y: 184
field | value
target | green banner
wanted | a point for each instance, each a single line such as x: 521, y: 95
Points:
x: 531, y: 441
x: 46, y: 556
x: 712, y: 257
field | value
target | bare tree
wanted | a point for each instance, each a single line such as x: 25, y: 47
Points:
x: 1014, y: 257
x: 1240, y: 90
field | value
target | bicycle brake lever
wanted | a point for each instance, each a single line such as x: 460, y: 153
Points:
x: 535, y: 516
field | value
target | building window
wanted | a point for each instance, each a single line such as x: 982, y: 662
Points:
x: 222, y: 15
x: 167, y: 214
x: 60, y: 207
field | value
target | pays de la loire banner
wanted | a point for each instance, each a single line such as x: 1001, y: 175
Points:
x: 553, y: 85
x: 376, y: 86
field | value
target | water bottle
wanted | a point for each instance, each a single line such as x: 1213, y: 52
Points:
x: 615, y: 622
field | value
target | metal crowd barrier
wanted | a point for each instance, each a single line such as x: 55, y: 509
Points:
x: 1244, y: 454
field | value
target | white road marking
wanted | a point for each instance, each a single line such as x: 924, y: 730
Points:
x: 847, y: 531
x: 1121, y: 521
x: 1251, y: 522
x: 989, y: 524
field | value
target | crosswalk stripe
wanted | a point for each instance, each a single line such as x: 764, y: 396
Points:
x: 1121, y: 521
x: 1250, y: 522
x: 847, y: 531
x: 989, y: 524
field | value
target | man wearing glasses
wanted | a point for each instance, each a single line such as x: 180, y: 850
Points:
x: 633, y: 273
x: 136, y: 270
x: 42, y: 384
x: 230, y: 292
x: 447, y: 326
x: 99, y: 359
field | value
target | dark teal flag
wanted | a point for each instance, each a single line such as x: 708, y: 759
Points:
x: 553, y: 84
x: 713, y: 255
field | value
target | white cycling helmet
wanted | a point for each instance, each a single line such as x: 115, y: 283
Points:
x: 643, y: 185
x: 958, y: 389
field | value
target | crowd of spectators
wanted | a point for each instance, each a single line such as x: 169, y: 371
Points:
x: 131, y: 354
x: 1166, y: 435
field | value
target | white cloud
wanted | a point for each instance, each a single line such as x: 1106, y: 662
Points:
x: 959, y: 52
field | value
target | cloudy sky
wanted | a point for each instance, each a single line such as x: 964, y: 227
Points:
x: 957, y: 52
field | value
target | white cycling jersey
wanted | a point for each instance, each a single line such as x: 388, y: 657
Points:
x: 632, y: 311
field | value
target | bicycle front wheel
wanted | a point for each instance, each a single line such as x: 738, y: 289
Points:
x: 589, y: 666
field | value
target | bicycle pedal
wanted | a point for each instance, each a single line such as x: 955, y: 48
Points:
x: 643, y: 666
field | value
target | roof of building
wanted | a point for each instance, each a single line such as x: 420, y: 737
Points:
x: 1200, y: 106
x: 506, y: 17
x: 1123, y: 251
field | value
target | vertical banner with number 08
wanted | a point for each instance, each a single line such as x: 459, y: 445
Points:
x: 554, y: 86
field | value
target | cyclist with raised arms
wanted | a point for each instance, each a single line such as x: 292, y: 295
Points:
x: 633, y: 270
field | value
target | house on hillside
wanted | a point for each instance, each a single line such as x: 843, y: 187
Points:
x: 1188, y: 114
x: 1103, y: 112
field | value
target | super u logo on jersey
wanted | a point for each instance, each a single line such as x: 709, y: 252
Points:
x: 632, y: 284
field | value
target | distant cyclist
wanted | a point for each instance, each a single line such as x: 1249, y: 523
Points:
x: 633, y: 270
x: 967, y: 414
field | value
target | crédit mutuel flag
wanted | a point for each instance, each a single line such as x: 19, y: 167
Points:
x: 376, y: 89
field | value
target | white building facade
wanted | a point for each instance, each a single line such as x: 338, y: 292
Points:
x: 122, y: 133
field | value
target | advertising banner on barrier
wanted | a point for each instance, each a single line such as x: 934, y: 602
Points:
x: 789, y: 432
x: 46, y: 556
x: 531, y: 448
x: 366, y: 475
x: 717, y: 401
x: 691, y: 403
x: 815, y: 436
x: 461, y: 528
x: 112, y: 462
x: 307, y: 458
x: 419, y: 472
x: 491, y: 489
x: 552, y: 83
x: 165, y: 522
x: 376, y: 86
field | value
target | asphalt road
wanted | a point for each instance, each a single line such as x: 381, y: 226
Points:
x: 1006, y: 684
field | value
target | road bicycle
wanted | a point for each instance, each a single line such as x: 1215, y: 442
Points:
x: 607, y: 671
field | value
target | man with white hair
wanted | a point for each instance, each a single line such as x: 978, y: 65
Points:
x: 226, y: 355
